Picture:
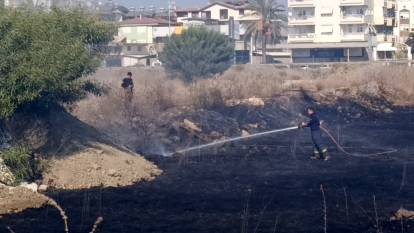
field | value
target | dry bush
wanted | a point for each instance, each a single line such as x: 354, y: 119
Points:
x: 391, y: 83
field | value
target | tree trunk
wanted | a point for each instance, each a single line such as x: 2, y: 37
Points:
x: 264, y: 49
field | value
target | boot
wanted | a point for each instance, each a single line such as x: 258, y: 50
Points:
x: 325, y: 155
x: 316, y: 155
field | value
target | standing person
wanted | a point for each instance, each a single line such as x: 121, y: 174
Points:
x: 128, y: 85
x: 320, y: 150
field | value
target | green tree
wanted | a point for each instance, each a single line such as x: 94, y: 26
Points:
x: 44, y: 57
x: 198, y: 52
x: 271, y: 20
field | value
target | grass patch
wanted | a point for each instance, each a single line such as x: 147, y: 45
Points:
x: 20, y: 162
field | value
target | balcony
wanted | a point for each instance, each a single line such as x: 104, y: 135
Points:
x: 354, y: 3
x: 301, y: 38
x: 354, y: 37
x: 391, y: 4
x: 301, y: 20
x: 301, y: 3
x: 355, y: 19
x: 381, y: 38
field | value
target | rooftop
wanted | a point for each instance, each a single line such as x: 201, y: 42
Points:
x: 144, y: 21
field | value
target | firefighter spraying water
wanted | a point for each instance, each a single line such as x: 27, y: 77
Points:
x: 320, y: 149
x: 315, y: 125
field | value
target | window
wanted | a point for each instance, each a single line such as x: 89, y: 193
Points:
x: 302, y: 13
x: 224, y: 14
x: 241, y: 12
x: 206, y: 14
x: 129, y: 48
x: 350, y: 28
x: 182, y: 14
x: 360, y: 28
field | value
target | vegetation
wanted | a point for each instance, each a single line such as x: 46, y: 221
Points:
x: 19, y: 160
x: 198, y: 52
x: 272, y: 18
x: 44, y: 55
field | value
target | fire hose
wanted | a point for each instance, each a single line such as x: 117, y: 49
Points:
x: 338, y: 145
x: 340, y: 148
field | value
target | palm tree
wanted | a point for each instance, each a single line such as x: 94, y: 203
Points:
x: 271, y: 20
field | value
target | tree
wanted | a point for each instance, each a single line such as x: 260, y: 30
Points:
x: 198, y: 52
x: 271, y: 20
x: 44, y: 57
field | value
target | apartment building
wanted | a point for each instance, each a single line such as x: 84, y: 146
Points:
x: 330, y: 30
x: 349, y: 30
x: 405, y: 19
x: 385, y: 25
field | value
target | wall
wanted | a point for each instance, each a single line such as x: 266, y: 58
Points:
x: 137, y: 34
x: 215, y: 12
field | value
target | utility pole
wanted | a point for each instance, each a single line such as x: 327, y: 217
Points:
x: 169, y: 18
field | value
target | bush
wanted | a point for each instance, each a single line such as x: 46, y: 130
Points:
x: 44, y: 55
x: 18, y: 160
x: 198, y: 52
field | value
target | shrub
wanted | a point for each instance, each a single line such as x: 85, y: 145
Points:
x: 44, y: 55
x: 198, y: 52
x: 18, y: 160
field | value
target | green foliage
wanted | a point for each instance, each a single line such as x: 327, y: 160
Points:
x: 45, y: 55
x: 272, y: 20
x: 198, y: 52
x: 18, y: 160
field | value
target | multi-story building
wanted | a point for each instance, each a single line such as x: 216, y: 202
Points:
x: 224, y: 12
x: 140, y: 40
x: 330, y: 30
x: 349, y: 30
x: 405, y: 19
x: 385, y: 25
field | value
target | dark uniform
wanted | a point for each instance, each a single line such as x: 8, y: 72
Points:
x: 320, y: 150
x: 128, y: 86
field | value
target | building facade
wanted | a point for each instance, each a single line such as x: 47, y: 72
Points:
x: 349, y: 30
x: 139, y: 40
x: 330, y: 30
x: 405, y: 19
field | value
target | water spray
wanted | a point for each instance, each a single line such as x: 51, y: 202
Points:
x: 234, y: 139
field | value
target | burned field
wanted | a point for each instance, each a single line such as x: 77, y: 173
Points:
x: 262, y: 185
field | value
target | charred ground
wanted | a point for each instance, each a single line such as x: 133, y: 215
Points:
x: 264, y: 185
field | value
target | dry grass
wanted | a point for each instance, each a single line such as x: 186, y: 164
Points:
x: 135, y: 123
x: 394, y: 84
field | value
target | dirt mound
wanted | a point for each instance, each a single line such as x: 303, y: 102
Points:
x: 15, y: 200
x: 77, y: 155
x: 101, y: 165
x: 82, y: 157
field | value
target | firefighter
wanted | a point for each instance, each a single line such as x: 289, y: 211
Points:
x: 128, y: 85
x: 320, y: 150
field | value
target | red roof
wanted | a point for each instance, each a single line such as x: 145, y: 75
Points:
x: 144, y: 21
